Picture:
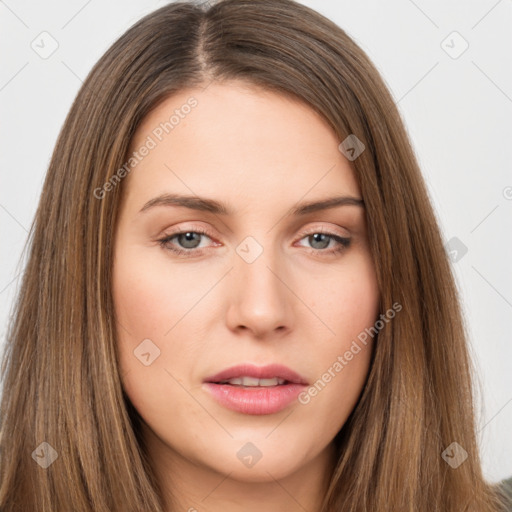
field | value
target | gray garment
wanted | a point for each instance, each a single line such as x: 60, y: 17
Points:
x: 506, y: 486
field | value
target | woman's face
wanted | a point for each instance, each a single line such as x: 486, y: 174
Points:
x: 263, y: 286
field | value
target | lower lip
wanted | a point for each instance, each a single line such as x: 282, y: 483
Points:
x: 255, y: 400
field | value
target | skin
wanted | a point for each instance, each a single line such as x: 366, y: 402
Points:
x: 261, y: 154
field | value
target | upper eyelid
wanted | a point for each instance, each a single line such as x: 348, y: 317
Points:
x: 304, y: 232
x: 193, y: 229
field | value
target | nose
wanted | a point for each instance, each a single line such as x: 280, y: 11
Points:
x: 259, y: 300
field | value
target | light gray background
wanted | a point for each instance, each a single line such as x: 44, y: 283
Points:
x: 457, y: 110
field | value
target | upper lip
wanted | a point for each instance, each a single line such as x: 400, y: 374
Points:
x: 258, y: 372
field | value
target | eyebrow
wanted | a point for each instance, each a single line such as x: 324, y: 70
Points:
x: 216, y: 207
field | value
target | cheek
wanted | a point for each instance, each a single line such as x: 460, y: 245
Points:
x: 346, y: 298
x: 145, y: 311
x: 348, y: 303
x: 151, y: 297
x: 148, y: 304
x: 160, y: 311
x: 141, y: 302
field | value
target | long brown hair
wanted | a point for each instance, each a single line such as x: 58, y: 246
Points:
x: 62, y: 392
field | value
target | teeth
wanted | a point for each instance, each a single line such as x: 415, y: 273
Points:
x: 253, y: 382
x: 250, y: 381
x: 270, y: 382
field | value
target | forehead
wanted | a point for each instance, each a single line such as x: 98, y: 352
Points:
x: 237, y: 138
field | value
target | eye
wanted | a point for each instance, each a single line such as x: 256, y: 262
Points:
x: 188, y: 240
x: 320, y: 241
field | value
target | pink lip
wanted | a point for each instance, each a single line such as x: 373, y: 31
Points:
x: 258, y: 399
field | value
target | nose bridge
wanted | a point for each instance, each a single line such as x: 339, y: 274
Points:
x: 260, y: 299
x: 253, y: 267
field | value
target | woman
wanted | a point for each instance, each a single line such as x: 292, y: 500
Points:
x: 170, y: 350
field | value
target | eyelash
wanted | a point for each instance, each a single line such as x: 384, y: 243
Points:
x: 343, y: 243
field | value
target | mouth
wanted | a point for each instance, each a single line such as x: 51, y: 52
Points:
x: 251, y: 382
x: 250, y: 389
x: 251, y: 375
